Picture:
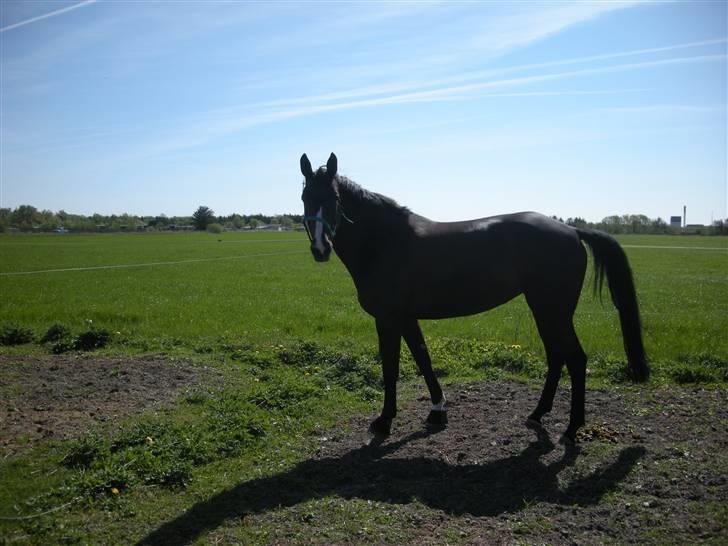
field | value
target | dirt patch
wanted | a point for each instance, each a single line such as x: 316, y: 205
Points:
x: 649, y: 468
x: 57, y: 397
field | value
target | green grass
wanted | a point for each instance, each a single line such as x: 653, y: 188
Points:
x: 297, y: 354
x: 265, y: 288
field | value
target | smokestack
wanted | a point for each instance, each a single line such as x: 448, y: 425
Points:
x: 685, y: 216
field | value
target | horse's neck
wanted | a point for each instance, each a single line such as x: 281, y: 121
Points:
x: 361, y: 228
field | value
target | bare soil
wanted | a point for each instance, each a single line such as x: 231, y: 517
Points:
x: 649, y: 468
x: 59, y: 397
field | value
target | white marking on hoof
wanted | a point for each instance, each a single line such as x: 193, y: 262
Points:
x: 440, y: 406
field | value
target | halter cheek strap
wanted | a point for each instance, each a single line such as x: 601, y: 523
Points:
x: 332, y: 231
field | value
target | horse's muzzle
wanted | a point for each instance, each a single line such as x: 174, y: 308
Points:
x: 321, y: 256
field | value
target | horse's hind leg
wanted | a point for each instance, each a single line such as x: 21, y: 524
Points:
x: 416, y: 342
x: 555, y: 325
x: 555, y: 364
x: 576, y: 364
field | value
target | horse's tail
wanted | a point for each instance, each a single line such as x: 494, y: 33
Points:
x: 611, y: 261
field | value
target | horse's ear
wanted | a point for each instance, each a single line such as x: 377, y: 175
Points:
x: 306, y: 169
x: 331, y: 165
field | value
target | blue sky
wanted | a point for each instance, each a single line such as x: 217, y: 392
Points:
x: 455, y: 109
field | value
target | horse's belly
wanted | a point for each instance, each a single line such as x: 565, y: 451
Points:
x: 456, y: 299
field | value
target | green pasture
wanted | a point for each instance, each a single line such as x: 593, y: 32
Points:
x: 296, y: 356
x: 195, y: 291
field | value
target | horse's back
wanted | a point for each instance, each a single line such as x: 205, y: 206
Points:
x: 467, y: 267
x: 521, y: 236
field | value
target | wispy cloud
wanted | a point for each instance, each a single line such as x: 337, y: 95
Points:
x: 526, y: 26
x: 204, y: 127
x: 47, y: 15
x: 478, y: 75
x: 666, y: 109
x: 223, y: 122
x: 454, y: 92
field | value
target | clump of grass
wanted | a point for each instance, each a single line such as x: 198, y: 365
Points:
x: 82, y: 452
x: 159, y: 451
x: 699, y: 368
x: 60, y: 339
x: 609, y: 367
x: 462, y: 357
x: 93, y: 338
x: 13, y: 334
x: 687, y: 374
x: 55, y: 333
x: 307, y: 369
x: 348, y: 369
x: 285, y: 391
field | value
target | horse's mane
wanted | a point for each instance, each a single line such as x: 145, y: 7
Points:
x: 366, y: 197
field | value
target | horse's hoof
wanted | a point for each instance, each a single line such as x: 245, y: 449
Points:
x: 568, y: 439
x: 437, y: 418
x: 381, y: 427
x: 534, y: 424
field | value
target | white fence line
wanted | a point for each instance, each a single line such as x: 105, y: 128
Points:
x: 724, y: 249
x: 149, y: 264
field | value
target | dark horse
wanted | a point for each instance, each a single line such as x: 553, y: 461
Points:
x: 406, y: 267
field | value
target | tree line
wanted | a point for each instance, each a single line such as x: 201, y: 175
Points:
x: 641, y: 224
x: 29, y: 219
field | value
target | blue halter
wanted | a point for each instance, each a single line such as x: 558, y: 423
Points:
x: 332, y: 231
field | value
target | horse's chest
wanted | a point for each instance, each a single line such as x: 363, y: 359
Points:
x: 381, y: 294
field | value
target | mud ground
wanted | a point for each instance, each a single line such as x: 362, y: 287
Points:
x: 651, y: 466
x: 59, y: 397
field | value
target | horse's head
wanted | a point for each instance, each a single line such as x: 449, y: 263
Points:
x: 321, y: 212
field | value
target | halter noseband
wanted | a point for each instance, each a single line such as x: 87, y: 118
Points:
x: 332, y: 231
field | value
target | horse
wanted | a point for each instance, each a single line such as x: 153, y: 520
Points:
x: 406, y: 267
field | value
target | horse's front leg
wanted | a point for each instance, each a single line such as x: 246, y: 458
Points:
x: 390, y: 335
x: 416, y: 342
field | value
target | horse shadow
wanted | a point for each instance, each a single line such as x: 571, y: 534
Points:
x: 500, y: 486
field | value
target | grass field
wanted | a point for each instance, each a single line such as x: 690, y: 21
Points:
x: 293, y: 354
x: 186, y: 291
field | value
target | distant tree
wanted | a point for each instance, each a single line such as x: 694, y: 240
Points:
x: 719, y: 227
x: 202, y: 217
x: 577, y: 222
x: 635, y: 223
x: 254, y: 223
x: 611, y: 224
x: 158, y: 222
x: 5, y: 215
x: 235, y: 221
x: 25, y: 217
x: 658, y: 225
x: 48, y: 220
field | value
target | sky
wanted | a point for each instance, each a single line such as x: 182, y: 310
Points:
x: 455, y: 109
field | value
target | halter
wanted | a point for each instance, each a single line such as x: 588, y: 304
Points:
x: 332, y: 231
